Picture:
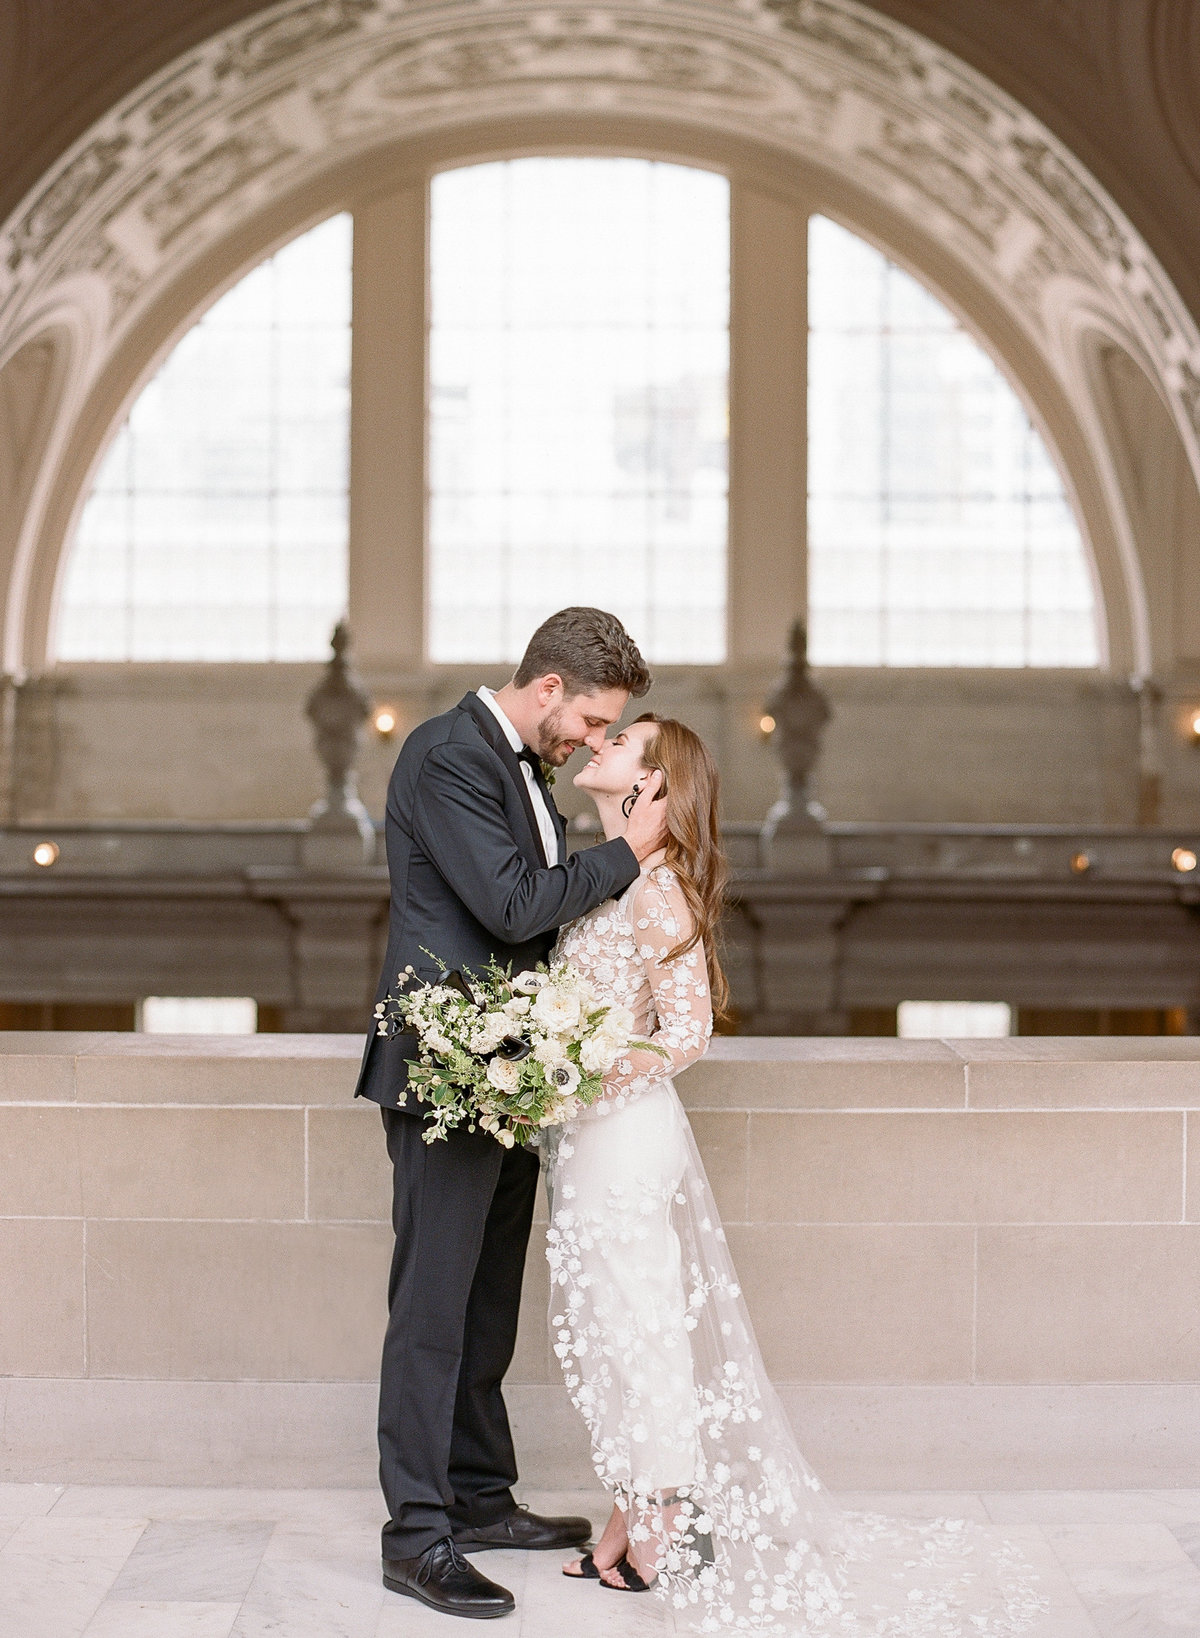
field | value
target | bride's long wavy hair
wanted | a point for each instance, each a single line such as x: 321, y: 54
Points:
x: 693, y: 839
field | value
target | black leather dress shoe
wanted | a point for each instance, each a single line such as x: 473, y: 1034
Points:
x: 442, y: 1578
x: 524, y: 1529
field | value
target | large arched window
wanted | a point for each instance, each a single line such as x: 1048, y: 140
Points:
x: 216, y: 527
x: 579, y: 357
x: 939, y: 529
x: 579, y: 336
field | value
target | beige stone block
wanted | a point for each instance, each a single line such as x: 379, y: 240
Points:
x: 307, y: 1435
x: 541, y: 1204
x: 210, y: 1434
x: 961, y: 1167
x: 41, y: 1297
x: 533, y: 1360
x: 220, y: 1069
x: 810, y: 1072
x: 551, y: 1439
x: 972, y: 1436
x: 859, y: 1303
x: 236, y: 1301
x: 195, y: 1163
x: 1089, y: 1304
x: 349, y: 1174
x: 39, y: 1161
x: 721, y: 1139
x: 1103, y: 1072
x: 1192, y: 1174
x: 38, y: 1066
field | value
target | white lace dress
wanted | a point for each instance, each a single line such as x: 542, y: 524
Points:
x: 660, y: 1358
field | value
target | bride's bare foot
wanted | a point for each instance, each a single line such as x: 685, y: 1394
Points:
x: 604, y: 1555
x: 626, y: 1576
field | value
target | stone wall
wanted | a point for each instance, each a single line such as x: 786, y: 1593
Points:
x: 969, y: 1263
x: 990, y: 746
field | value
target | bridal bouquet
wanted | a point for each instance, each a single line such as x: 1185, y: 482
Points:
x: 509, y: 1055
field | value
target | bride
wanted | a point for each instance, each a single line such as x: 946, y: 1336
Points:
x: 714, y: 1507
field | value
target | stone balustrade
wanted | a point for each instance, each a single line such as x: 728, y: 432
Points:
x: 906, y: 912
x: 969, y: 1263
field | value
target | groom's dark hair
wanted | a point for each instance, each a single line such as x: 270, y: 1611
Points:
x: 589, y: 649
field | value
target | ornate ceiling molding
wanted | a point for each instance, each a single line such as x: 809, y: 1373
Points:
x: 272, y: 102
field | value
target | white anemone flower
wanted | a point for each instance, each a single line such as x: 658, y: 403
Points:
x: 563, y: 1076
x: 529, y: 983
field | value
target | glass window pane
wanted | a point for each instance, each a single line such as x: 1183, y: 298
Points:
x: 939, y: 529
x: 579, y: 358
x: 216, y: 526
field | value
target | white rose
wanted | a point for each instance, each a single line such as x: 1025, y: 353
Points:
x: 517, y: 1007
x: 503, y: 1075
x: 617, y: 1023
x: 555, y: 1010
x: 598, y: 1054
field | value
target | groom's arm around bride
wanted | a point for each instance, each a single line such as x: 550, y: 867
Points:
x: 478, y: 867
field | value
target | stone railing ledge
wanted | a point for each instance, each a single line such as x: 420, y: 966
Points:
x: 740, y: 1073
x: 876, y: 1072
x: 232, y: 1070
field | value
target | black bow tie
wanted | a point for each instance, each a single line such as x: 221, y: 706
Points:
x: 531, y: 757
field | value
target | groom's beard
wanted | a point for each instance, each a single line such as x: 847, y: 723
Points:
x: 551, y: 746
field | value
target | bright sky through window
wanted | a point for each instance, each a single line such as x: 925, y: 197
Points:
x: 579, y: 361
x: 216, y: 527
x: 939, y: 529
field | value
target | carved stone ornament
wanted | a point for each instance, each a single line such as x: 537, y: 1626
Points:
x: 800, y: 710
x: 793, y: 838
x: 340, y: 829
x: 275, y: 100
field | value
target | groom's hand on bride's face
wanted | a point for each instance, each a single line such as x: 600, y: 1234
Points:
x: 647, y: 830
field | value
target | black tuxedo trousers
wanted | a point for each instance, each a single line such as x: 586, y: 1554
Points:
x: 462, y: 1211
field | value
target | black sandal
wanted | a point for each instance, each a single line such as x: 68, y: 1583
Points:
x: 587, y: 1570
x: 629, y: 1576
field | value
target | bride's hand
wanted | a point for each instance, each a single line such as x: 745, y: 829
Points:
x: 646, y: 832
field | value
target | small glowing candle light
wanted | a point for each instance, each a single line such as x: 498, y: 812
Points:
x: 1184, y: 859
x: 1081, y: 862
x: 384, y: 722
x: 766, y: 725
x: 45, y: 854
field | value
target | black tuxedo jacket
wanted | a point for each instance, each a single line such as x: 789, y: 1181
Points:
x: 468, y: 879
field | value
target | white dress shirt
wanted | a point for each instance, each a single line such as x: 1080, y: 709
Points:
x: 546, y: 826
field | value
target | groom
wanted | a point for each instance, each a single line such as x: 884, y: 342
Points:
x: 479, y: 869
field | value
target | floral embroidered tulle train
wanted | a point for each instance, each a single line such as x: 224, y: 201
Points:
x: 660, y: 1359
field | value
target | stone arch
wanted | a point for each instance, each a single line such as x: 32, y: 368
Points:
x: 165, y: 193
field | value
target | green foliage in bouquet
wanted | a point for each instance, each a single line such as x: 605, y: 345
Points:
x: 507, y: 1055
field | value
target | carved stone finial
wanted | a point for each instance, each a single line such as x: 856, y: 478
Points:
x: 793, y: 834
x: 337, y: 707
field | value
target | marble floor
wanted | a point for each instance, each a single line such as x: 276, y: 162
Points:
x: 82, y: 1561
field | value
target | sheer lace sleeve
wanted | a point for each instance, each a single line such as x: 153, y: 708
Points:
x: 682, y: 1007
